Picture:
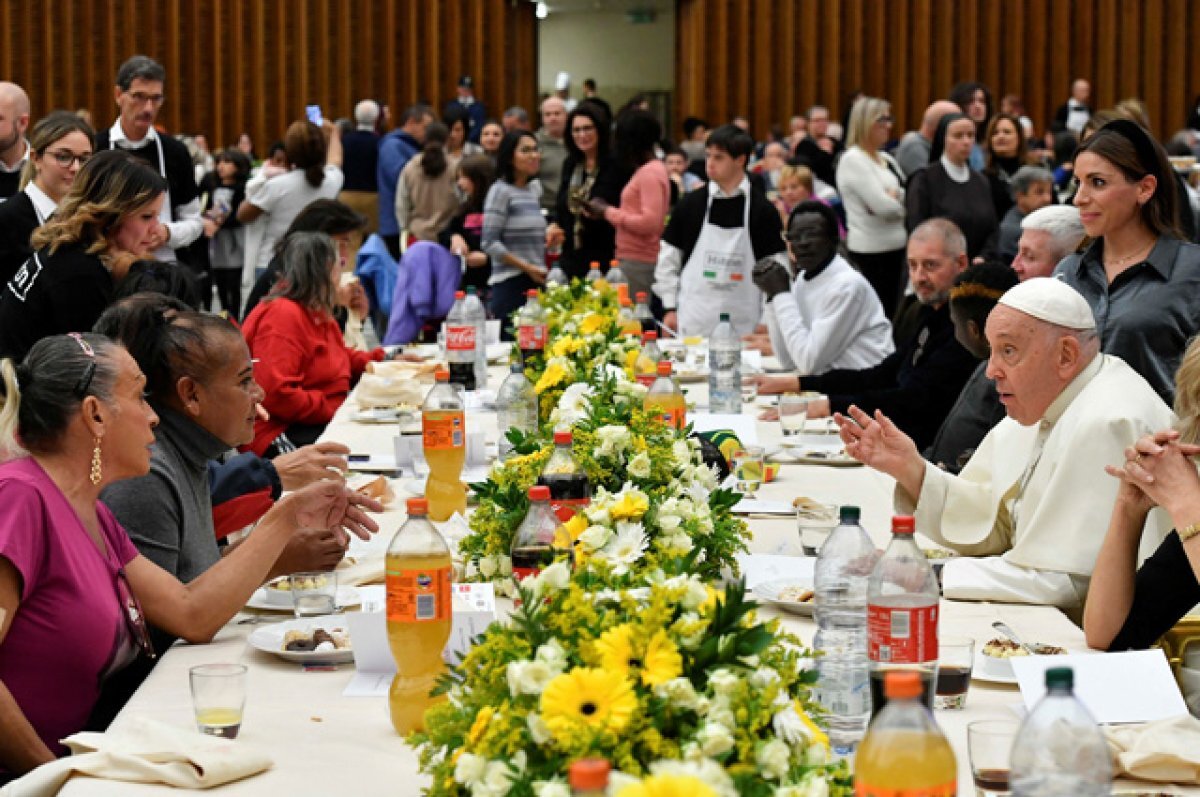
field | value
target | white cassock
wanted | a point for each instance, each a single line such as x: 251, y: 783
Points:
x: 1050, y: 478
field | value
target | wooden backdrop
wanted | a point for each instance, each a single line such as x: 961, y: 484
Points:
x: 768, y: 59
x: 238, y: 66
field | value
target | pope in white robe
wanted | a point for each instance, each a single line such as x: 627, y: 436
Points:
x: 1030, y: 509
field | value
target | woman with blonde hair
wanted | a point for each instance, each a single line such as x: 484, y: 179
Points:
x: 105, y: 223
x: 871, y: 185
x: 59, y: 145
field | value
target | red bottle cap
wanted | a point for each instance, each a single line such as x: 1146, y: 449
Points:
x: 614, y: 263
x: 904, y: 524
x: 418, y: 506
x: 664, y: 368
x: 563, y: 438
x: 460, y: 294
x: 901, y: 685
x: 650, y: 335
x: 589, y: 774
x: 539, y: 492
x: 531, y: 293
x: 642, y: 296
x: 441, y: 375
x: 595, y: 265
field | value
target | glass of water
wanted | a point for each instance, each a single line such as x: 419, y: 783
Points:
x: 748, y: 469
x: 313, y: 594
x: 793, y: 412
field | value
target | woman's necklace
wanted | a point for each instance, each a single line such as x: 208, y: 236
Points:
x: 1119, y: 262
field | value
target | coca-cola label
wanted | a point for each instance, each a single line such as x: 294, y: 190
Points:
x: 902, y: 635
x: 531, y: 336
x: 460, y: 338
x: 566, y: 508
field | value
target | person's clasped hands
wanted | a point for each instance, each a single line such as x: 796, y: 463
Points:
x: 1161, y: 467
x: 771, y: 278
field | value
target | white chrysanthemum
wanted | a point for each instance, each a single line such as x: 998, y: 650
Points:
x: 594, y: 538
x: 626, y: 547
x: 572, y: 406
x: 774, y: 759
x: 681, y: 452
x: 714, y: 739
x: 612, y: 440
x: 469, y: 769
x: 639, y: 466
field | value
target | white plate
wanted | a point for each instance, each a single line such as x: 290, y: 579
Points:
x: 269, y: 639
x: 346, y: 596
x: 690, y: 376
x: 770, y: 592
x: 409, y: 420
x: 981, y: 671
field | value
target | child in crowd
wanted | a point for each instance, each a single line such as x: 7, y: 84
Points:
x: 222, y: 191
x: 1033, y: 189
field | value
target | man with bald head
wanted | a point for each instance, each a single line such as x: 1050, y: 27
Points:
x: 14, y: 149
x: 1028, y: 511
x: 554, y: 149
x: 912, y: 153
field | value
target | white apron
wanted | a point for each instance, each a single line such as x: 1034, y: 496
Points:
x: 716, y: 279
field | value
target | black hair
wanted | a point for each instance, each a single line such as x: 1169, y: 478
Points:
x: 813, y: 206
x: 433, y: 152
x: 505, y: 170
x: 637, y: 133
x: 691, y: 123
x: 733, y: 140
x: 592, y: 111
x: 328, y: 216
x: 140, y: 67
x: 978, y: 288
x: 239, y: 159
x: 454, y: 114
x: 480, y: 170
x: 153, y: 276
x: 963, y: 94
x: 276, y: 146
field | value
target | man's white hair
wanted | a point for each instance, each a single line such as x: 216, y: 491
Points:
x: 1063, y: 225
x: 366, y: 113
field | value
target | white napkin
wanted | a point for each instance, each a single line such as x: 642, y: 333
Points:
x: 1164, y: 751
x: 145, y: 751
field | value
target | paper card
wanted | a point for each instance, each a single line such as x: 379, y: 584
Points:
x: 1131, y: 686
x: 491, y: 332
x: 760, y: 568
x: 410, y: 455
x: 744, y: 426
x: 477, y: 400
x: 476, y: 449
x: 758, y: 506
x: 474, y: 611
x: 752, y: 360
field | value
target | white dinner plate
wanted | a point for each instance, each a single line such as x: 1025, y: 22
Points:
x: 346, y: 596
x: 690, y: 376
x: 980, y: 672
x: 776, y: 592
x: 269, y: 639
x: 409, y: 420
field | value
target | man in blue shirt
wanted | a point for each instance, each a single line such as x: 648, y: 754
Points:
x: 396, y: 149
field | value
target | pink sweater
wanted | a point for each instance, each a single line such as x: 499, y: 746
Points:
x: 640, y: 219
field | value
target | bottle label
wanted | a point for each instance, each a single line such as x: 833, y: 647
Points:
x: 902, y: 635
x: 418, y: 596
x: 647, y: 378
x: 531, y: 336
x: 942, y: 790
x: 674, y: 417
x: 460, y: 338
x: 443, y: 431
x: 566, y: 508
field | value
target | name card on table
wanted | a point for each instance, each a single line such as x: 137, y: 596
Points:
x: 1131, y: 686
x: 744, y: 426
x: 474, y: 607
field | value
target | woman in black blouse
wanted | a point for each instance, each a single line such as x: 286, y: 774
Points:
x: 1005, y: 146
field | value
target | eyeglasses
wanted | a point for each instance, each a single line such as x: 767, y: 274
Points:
x: 85, y: 381
x: 588, y: 129
x: 135, y: 620
x: 64, y: 157
x: 529, y: 150
x: 142, y: 99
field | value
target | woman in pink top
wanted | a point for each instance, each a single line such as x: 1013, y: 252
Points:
x: 72, y: 585
x: 640, y: 219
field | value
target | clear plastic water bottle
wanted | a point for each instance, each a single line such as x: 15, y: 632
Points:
x: 615, y: 275
x: 478, y: 316
x: 1059, y: 750
x: 516, y: 407
x: 843, y: 569
x: 725, y: 369
x: 902, y: 614
x: 556, y: 276
x: 594, y: 273
x: 461, y: 335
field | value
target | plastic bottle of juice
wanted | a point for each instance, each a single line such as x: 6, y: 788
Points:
x: 419, y: 614
x: 645, y: 368
x: 444, y: 435
x: 904, y: 751
x: 588, y: 777
x: 642, y: 313
x: 666, y: 399
x: 628, y: 324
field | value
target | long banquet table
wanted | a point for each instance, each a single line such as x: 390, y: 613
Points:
x: 325, y: 743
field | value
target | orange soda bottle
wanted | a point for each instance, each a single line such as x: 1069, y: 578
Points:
x: 665, y: 399
x: 417, y: 573
x: 904, y: 751
x: 444, y: 436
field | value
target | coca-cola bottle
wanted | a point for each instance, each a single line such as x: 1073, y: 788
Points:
x: 531, y: 327
x: 570, y: 491
x: 477, y: 314
x: 533, y: 546
x: 461, y: 340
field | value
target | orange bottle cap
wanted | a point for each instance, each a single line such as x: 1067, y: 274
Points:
x: 642, y: 296
x: 664, y: 368
x: 418, y: 506
x: 589, y: 774
x: 531, y: 293
x: 904, y: 524
x: 442, y: 375
x: 563, y: 438
x: 901, y: 685
x: 650, y: 335
x: 460, y: 294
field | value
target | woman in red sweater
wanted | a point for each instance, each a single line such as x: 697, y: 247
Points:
x: 303, y: 364
x: 645, y: 200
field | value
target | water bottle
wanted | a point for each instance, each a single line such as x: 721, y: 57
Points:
x: 643, y: 314
x: 1059, y: 750
x: 516, y: 407
x: 478, y: 316
x: 461, y: 334
x: 615, y: 275
x: 725, y: 369
x: 556, y: 276
x: 843, y: 569
x: 594, y: 273
x: 902, y: 614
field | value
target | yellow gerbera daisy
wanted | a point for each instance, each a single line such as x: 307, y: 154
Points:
x: 568, y: 344
x: 631, y: 507
x: 593, y: 323
x: 661, y: 662
x: 653, y: 663
x: 480, y: 726
x: 668, y: 786
x: 616, y: 649
x: 553, y: 374
x: 584, y: 699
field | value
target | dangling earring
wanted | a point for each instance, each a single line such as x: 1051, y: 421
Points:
x: 95, y: 475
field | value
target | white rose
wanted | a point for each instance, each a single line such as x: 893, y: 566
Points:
x: 667, y: 522
x: 714, y: 739
x: 528, y: 677
x: 680, y: 692
x: 681, y: 452
x: 773, y: 759
x: 639, y: 466
x: 788, y: 725
x: 763, y: 677
x: 720, y: 712
x: 539, y: 731
x: 553, y: 655
x: 723, y: 682
x: 618, y: 780
x: 556, y: 576
x: 551, y: 788
x: 488, y: 566
x: 695, y: 596
x: 497, y: 780
x: 469, y: 768
x: 595, y: 537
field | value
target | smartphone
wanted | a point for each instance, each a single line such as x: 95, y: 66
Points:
x: 313, y: 112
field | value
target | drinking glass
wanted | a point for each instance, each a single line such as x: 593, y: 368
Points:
x: 990, y: 743
x: 816, y: 522
x: 314, y: 594
x: 218, y: 698
x: 748, y: 469
x: 793, y: 412
x: 956, y: 658
x: 749, y: 388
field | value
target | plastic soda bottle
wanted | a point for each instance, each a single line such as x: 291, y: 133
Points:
x: 615, y: 275
x: 641, y: 312
x: 516, y: 407
x: 588, y: 777
x: 594, y: 273
x: 461, y: 334
x: 570, y: 491
x: 477, y: 314
x: 725, y: 369
x: 556, y: 276
x: 531, y: 327
x: 534, y: 544
x: 646, y: 367
x: 1059, y: 750
x: 665, y: 399
x: 625, y: 320
x: 444, y: 436
x: 904, y: 752
x: 417, y: 573
x: 843, y: 568
x: 902, y: 614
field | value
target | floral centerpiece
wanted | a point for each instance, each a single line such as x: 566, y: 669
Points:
x: 681, y: 688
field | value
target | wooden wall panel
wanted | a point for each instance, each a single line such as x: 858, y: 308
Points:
x: 251, y: 66
x: 913, y: 51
